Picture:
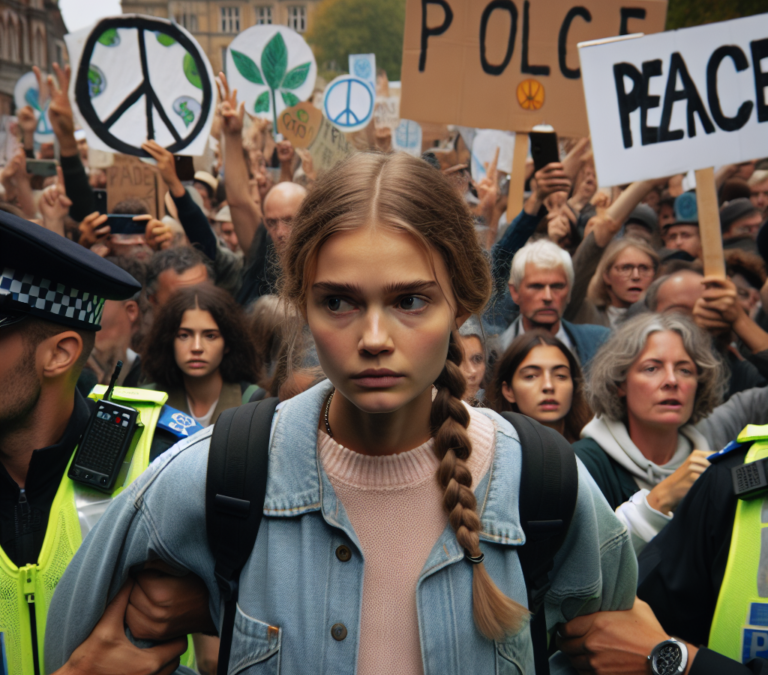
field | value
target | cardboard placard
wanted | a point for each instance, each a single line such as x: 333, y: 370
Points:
x: 508, y: 64
x: 138, y: 77
x: 305, y: 127
x: 386, y: 112
x: 130, y: 178
x: 686, y: 99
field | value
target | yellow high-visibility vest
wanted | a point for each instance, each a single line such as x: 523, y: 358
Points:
x: 740, y: 624
x: 26, y: 592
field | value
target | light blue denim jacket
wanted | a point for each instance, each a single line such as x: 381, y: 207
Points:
x: 294, y: 582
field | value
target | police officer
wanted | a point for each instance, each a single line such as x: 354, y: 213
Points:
x: 704, y: 577
x: 52, y: 293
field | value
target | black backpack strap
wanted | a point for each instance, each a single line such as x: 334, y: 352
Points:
x: 548, y: 490
x: 236, y: 485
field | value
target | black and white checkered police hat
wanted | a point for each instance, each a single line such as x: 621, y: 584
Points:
x: 45, y: 275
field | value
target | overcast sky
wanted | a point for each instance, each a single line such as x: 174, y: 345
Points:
x: 81, y: 13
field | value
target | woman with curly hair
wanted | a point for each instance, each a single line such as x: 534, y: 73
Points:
x: 654, y: 387
x: 199, y: 351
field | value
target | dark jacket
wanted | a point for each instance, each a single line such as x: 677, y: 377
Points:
x: 614, y: 481
x: 682, y: 568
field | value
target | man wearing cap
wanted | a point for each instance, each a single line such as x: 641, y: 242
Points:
x: 740, y: 221
x: 52, y: 295
x: 206, y: 185
x: 226, y: 230
x: 683, y: 233
x: 643, y: 224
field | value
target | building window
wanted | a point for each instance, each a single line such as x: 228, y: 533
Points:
x: 297, y: 18
x: 230, y: 19
x: 189, y: 21
x: 264, y: 15
x: 59, y: 46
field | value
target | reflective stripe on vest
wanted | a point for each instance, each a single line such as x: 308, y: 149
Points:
x: 26, y: 592
x: 740, y: 624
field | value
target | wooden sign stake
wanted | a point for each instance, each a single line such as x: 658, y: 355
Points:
x: 517, y: 179
x: 709, y: 223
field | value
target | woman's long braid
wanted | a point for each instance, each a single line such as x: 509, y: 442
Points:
x: 495, y: 614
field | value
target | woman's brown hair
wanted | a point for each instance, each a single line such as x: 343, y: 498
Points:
x: 409, y: 195
x: 158, y: 359
x: 521, y: 346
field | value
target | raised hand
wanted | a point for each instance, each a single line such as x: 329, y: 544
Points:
x: 307, y: 164
x: 166, y: 165
x: 157, y: 235
x: 488, y: 186
x: 94, y: 230
x: 231, y: 113
x: 670, y: 492
x: 54, y: 205
x: 107, y: 650
x: 60, y: 109
x: 27, y: 124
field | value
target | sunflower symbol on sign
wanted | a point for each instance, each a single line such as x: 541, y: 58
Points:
x: 530, y: 94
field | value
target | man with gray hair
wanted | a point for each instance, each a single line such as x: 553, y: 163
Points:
x: 540, y: 283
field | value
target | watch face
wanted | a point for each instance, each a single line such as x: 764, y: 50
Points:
x: 667, y: 659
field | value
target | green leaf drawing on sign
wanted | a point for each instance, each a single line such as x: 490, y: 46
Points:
x: 190, y: 70
x: 289, y: 99
x: 296, y: 77
x: 165, y: 40
x: 262, y: 103
x: 110, y: 38
x: 246, y: 67
x: 274, y: 61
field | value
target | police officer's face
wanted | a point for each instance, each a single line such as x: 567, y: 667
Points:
x: 199, y: 347
x: 18, y: 373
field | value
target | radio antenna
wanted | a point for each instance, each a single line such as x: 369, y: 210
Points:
x: 115, y: 375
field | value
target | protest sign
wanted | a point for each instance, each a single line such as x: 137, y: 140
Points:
x: 348, y: 103
x: 9, y: 142
x: 364, y: 67
x: 26, y: 92
x: 305, y: 127
x: 407, y: 137
x: 680, y: 100
x: 386, y: 112
x: 130, y: 178
x: 508, y: 64
x: 136, y: 77
x: 484, y: 145
x: 272, y: 68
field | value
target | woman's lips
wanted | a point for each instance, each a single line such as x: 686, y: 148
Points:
x: 549, y: 405
x: 377, y: 378
x: 197, y: 364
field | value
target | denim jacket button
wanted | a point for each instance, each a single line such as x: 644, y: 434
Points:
x: 343, y: 553
x: 338, y: 631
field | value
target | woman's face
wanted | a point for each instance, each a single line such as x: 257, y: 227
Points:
x: 631, y: 273
x: 660, y: 388
x: 542, y: 386
x: 380, y: 317
x: 473, y: 364
x: 199, y: 347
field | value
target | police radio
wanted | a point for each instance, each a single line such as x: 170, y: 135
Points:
x: 105, y: 442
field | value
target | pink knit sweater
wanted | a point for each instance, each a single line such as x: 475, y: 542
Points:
x: 395, y: 506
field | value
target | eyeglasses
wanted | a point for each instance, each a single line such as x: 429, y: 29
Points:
x: 272, y: 223
x: 627, y: 270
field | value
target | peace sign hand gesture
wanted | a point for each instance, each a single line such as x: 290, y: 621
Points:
x: 231, y: 112
x: 60, y: 109
x: 488, y: 187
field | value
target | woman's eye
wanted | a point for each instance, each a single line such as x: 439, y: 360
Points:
x: 650, y: 369
x: 182, y: 336
x: 338, y: 305
x: 412, y: 303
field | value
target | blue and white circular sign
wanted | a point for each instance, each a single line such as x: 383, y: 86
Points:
x: 348, y: 103
x: 407, y: 137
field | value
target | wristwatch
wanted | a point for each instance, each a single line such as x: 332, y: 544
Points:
x: 669, y: 658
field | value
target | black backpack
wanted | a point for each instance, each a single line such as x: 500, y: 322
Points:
x: 236, y: 486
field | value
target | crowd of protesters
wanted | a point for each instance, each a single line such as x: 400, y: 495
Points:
x: 588, y: 311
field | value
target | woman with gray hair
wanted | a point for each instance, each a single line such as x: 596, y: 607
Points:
x: 654, y: 386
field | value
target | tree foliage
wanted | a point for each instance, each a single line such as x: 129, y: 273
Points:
x: 343, y: 27
x: 684, y: 13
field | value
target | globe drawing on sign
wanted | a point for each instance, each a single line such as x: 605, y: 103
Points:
x: 363, y: 69
x: 186, y: 108
x: 166, y: 84
x: 348, y: 103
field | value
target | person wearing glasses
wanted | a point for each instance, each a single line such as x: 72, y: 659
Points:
x: 626, y: 269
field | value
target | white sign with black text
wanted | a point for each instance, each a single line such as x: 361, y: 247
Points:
x: 688, y: 99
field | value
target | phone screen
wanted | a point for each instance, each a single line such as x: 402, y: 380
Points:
x: 125, y: 224
x: 544, y: 148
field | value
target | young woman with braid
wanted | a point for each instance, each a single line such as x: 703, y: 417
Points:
x: 391, y: 529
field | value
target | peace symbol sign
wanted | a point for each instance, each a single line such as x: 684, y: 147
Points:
x: 90, y: 84
x: 348, y: 103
